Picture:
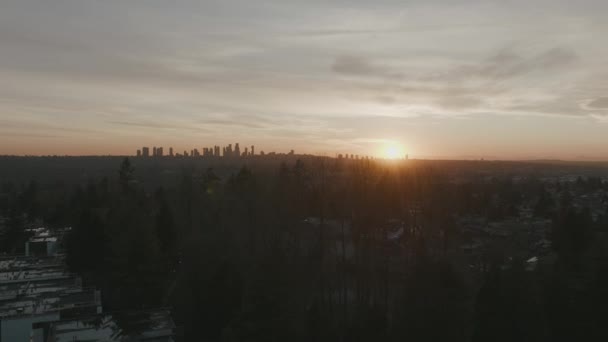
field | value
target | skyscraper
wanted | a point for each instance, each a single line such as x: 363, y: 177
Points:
x: 139, y: 153
x: 171, y: 151
x: 145, y: 151
x: 252, y: 150
x: 237, y: 150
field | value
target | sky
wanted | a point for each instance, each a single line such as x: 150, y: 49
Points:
x: 438, y: 79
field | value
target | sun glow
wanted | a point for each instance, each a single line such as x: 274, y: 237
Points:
x: 393, y: 151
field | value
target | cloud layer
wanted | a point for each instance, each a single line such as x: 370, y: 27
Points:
x: 109, y: 76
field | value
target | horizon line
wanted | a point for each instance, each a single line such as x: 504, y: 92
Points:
x: 286, y: 154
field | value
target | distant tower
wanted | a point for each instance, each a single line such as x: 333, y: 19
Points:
x: 252, y: 150
x: 139, y: 153
x: 145, y: 151
x: 154, y: 151
x: 246, y: 153
x: 171, y: 151
x: 159, y: 152
x: 237, y: 150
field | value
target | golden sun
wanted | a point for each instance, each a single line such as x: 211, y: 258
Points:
x: 393, y: 151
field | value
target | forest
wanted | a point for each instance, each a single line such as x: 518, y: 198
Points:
x: 327, y: 249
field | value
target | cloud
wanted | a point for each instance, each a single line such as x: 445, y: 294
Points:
x: 295, y: 71
x: 600, y: 103
x: 508, y: 64
x: 234, y: 122
x: 600, y: 118
x: 358, y: 66
x: 19, y: 125
x: 507, y: 81
x: 164, y: 125
x: 344, y: 32
x: 30, y: 135
x: 354, y: 65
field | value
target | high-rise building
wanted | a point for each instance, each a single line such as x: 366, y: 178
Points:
x: 145, y: 151
x: 171, y: 151
x: 228, y: 151
x: 252, y: 150
x: 237, y: 150
x: 154, y: 151
x: 246, y: 153
x: 159, y: 152
x: 139, y: 153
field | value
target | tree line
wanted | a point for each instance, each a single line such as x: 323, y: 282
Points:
x: 328, y: 250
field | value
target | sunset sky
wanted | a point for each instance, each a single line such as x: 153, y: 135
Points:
x: 440, y: 79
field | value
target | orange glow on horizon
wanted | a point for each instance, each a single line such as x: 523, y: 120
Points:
x: 393, y: 151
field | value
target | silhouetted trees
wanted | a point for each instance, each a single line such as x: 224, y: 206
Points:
x: 324, y: 249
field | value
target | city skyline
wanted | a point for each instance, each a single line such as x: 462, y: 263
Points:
x: 230, y: 152
x: 471, y: 79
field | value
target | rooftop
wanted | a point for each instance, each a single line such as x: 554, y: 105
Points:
x: 17, y: 290
x: 42, y: 303
x: 134, y: 326
x: 31, y: 275
x: 14, y: 263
